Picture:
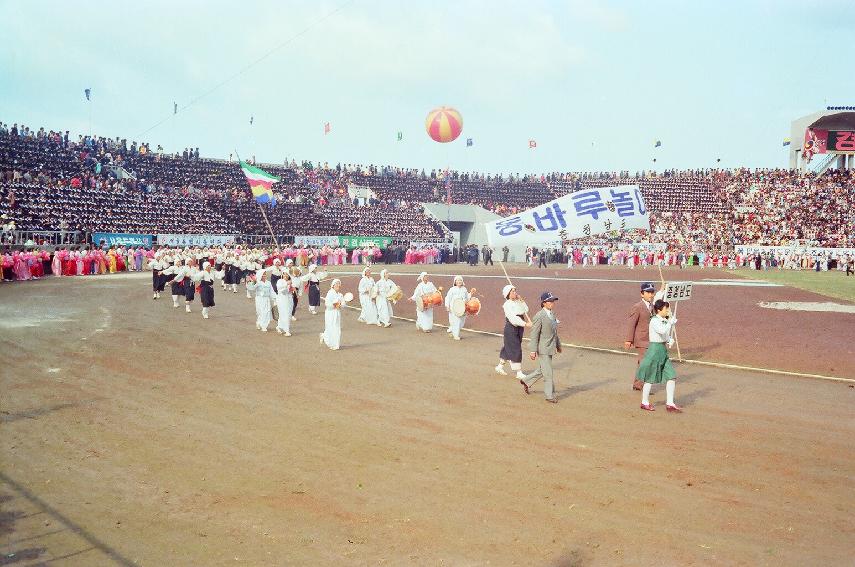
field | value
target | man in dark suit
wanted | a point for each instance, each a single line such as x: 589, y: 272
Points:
x: 543, y: 344
x: 638, y: 327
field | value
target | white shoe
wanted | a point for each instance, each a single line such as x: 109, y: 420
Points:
x: 175, y: 306
x: 248, y: 296
x: 360, y: 319
x: 388, y: 325
x: 278, y: 330
x: 322, y: 338
x: 520, y: 374
x: 205, y: 315
x: 257, y: 326
x: 293, y: 318
x: 379, y: 324
x: 456, y: 338
x: 264, y: 330
x: 287, y: 334
x: 187, y: 308
x: 448, y: 330
x: 501, y: 369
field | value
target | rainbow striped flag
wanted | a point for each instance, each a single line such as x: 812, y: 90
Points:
x: 260, y: 182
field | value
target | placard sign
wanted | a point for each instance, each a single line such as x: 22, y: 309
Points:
x: 675, y: 291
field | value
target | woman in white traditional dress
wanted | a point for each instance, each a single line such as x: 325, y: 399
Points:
x: 332, y: 316
x: 284, y: 302
x: 458, y: 291
x: 263, y: 294
x: 424, y: 317
x: 385, y: 286
x: 368, y: 315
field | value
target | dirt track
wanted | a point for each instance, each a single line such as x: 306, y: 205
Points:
x: 133, y: 433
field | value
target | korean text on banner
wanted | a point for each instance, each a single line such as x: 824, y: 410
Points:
x: 576, y: 215
x: 121, y: 239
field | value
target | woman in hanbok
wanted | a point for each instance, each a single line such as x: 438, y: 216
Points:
x: 204, y: 278
x: 284, y: 303
x: 191, y: 271
x: 263, y: 294
x: 78, y: 259
x: 368, y: 315
x: 175, y: 276
x: 516, y: 322
x: 314, y: 284
x: 385, y: 286
x: 424, y: 317
x: 56, y: 264
x: 111, y: 261
x: 69, y: 264
x: 656, y: 367
x: 22, y: 270
x: 121, y: 266
x: 332, y: 316
x: 354, y: 257
x: 157, y: 281
x: 8, y: 267
x: 458, y: 291
x: 138, y: 259
x: 34, y: 261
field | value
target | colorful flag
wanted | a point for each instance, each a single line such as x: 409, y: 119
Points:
x: 786, y: 142
x: 657, y: 144
x: 326, y: 128
x: 469, y: 142
x: 400, y: 136
x: 532, y: 144
x: 174, y: 108
x: 260, y: 182
x: 88, y: 93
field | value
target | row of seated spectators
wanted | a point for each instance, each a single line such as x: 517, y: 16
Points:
x: 48, y: 180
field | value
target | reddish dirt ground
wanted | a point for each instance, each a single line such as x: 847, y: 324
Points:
x: 133, y: 433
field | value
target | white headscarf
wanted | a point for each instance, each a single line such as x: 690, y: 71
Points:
x: 383, y: 274
x: 206, y: 265
x: 312, y: 268
x: 421, y: 275
x: 335, y: 281
x: 365, y: 269
x: 258, y: 275
x: 459, y: 278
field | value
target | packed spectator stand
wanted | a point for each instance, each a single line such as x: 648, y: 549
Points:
x: 50, y: 182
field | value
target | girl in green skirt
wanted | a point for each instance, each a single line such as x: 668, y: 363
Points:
x: 656, y: 367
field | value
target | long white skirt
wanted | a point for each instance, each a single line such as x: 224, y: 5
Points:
x: 332, y: 328
x: 263, y: 315
x: 369, y: 310
x: 285, y: 303
x: 384, y: 310
x: 424, y: 319
x: 456, y: 323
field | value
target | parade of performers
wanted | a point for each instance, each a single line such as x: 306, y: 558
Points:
x: 332, y: 316
x: 457, y: 295
x: 656, y: 366
x: 367, y: 293
x: 424, y: 313
x: 516, y: 322
x: 275, y: 287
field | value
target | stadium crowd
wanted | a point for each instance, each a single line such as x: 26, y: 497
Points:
x: 51, y: 182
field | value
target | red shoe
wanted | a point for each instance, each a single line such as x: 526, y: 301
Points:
x: 674, y: 408
x: 648, y: 407
x: 525, y: 386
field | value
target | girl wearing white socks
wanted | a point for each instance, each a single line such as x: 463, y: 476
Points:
x: 656, y: 366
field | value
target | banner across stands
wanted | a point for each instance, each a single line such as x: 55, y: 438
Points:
x: 121, y: 239
x: 752, y: 249
x: 577, y: 215
x: 195, y: 239
x: 316, y: 241
x: 360, y: 241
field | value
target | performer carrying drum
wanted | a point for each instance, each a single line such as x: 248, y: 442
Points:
x: 367, y: 293
x: 516, y: 322
x: 455, y: 304
x: 424, y: 315
x: 387, y: 292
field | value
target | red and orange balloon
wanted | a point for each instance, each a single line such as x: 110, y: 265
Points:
x: 444, y: 124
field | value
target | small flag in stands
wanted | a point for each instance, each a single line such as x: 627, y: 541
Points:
x: 657, y: 144
x: 400, y: 136
x: 88, y: 93
x: 786, y: 142
x: 326, y: 128
x: 469, y: 142
x: 532, y: 144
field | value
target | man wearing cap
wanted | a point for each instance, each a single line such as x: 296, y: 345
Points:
x: 638, y: 327
x: 543, y: 344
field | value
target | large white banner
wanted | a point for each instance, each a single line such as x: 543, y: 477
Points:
x: 181, y: 240
x: 577, y: 215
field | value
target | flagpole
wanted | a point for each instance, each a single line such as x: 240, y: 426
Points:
x: 263, y: 213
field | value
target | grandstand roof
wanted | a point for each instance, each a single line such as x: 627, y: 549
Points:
x: 838, y: 121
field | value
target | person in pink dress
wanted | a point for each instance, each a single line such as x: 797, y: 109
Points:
x: 8, y: 267
x: 354, y: 256
x: 56, y: 263
x: 22, y: 270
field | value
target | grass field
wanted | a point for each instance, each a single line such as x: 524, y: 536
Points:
x: 831, y: 284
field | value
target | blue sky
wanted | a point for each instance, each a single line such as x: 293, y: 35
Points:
x: 594, y: 83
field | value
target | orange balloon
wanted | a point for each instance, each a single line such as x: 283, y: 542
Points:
x: 444, y: 124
